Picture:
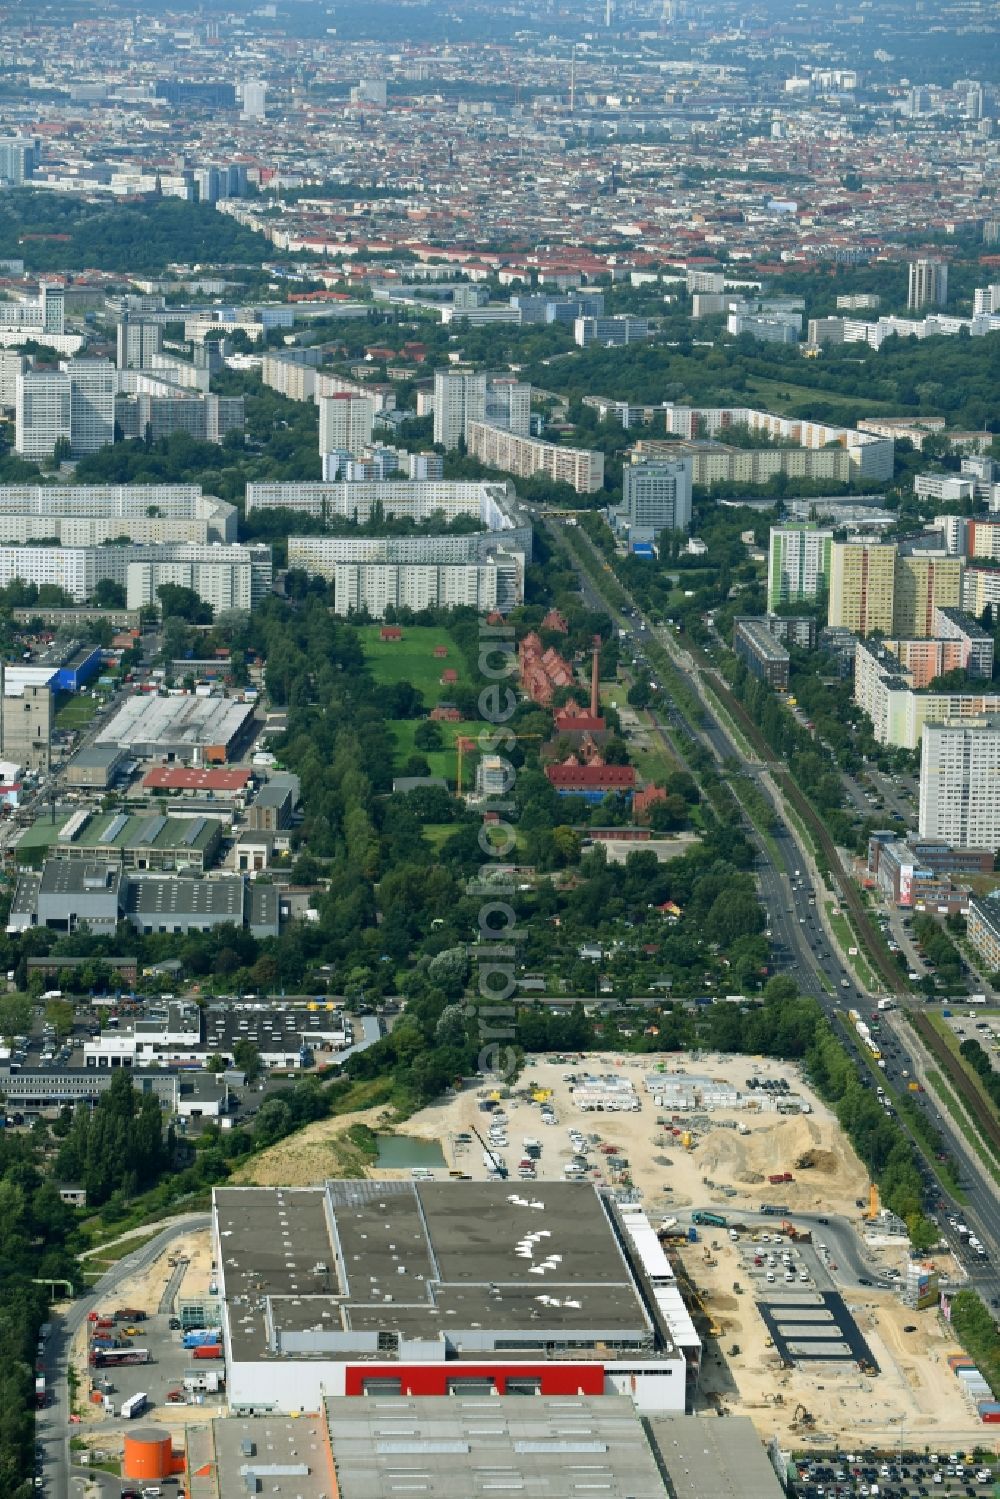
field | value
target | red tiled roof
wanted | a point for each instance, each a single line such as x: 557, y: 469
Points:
x: 182, y: 778
x: 590, y: 777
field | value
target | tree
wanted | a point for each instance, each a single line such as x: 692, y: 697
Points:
x: 183, y: 603
x: 108, y: 595
x: 428, y: 735
x: 15, y: 1015
x: 247, y: 1058
x: 215, y: 1063
x: 59, y: 1013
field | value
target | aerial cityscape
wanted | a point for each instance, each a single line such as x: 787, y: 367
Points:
x: 500, y: 749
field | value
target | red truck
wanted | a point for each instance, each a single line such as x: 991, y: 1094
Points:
x: 207, y: 1350
x: 782, y: 1176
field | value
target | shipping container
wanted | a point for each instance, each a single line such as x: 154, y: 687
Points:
x: 207, y: 1350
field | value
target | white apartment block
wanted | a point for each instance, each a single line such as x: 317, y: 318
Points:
x: 345, y: 423
x: 323, y: 556
x: 870, y: 456
x: 960, y: 783
x: 372, y: 588
x: 980, y: 589
x: 382, y: 393
x: 580, y: 468
x: 93, y: 387
x: 613, y: 331
x: 289, y: 377
x: 897, y: 711
x: 44, y: 413
x: 223, y: 585
x: 493, y: 503
x: 78, y: 569
x: 948, y: 488
x: 87, y: 515
x: 12, y: 364
x: 44, y: 314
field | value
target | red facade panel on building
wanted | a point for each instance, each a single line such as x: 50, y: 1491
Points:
x: 441, y: 1378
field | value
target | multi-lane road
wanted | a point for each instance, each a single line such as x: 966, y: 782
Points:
x: 804, y: 946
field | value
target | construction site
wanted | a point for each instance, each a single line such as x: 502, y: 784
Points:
x: 846, y: 1350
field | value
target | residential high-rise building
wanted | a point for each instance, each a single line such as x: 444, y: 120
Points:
x: 798, y: 565
x: 461, y: 398
x: 138, y: 341
x: 862, y: 586
x: 960, y: 783
x: 254, y: 99
x: 922, y: 585
x: 17, y: 160
x: 928, y: 284
x: 93, y: 387
x: 614, y: 331
x: 656, y: 496
x: 44, y: 412
x: 345, y: 423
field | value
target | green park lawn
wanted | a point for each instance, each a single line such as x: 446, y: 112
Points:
x: 443, y: 761
x: 412, y: 659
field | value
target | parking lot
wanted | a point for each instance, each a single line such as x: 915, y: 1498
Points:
x: 170, y: 1361
x: 906, y: 1475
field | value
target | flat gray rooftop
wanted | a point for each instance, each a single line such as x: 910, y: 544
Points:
x: 291, y: 1458
x: 272, y: 1239
x: 455, y: 1448
x: 705, y: 1458
x: 425, y: 1260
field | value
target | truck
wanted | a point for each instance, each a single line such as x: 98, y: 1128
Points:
x: 106, y: 1358
x: 709, y: 1220
x: 207, y: 1350
x: 128, y: 1314
x: 773, y: 1209
x: 779, y: 1177
x: 197, y: 1335
x: 41, y: 1394
x: 209, y: 1380
x: 133, y: 1406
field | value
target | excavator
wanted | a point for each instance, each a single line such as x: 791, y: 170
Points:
x: 802, y: 1417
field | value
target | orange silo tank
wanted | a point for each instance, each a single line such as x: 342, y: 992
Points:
x: 148, y: 1453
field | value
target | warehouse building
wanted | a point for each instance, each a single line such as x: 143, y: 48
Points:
x: 178, y: 1033
x: 95, y: 767
x: 73, y: 894
x: 184, y: 729
x: 444, y: 1288
x: 452, y: 1449
x: 151, y: 842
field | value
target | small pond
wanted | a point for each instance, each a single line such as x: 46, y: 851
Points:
x: 398, y: 1152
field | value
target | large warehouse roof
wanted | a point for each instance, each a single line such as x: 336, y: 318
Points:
x: 413, y: 1261
x: 451, y: 1449
x: 146, y: 723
